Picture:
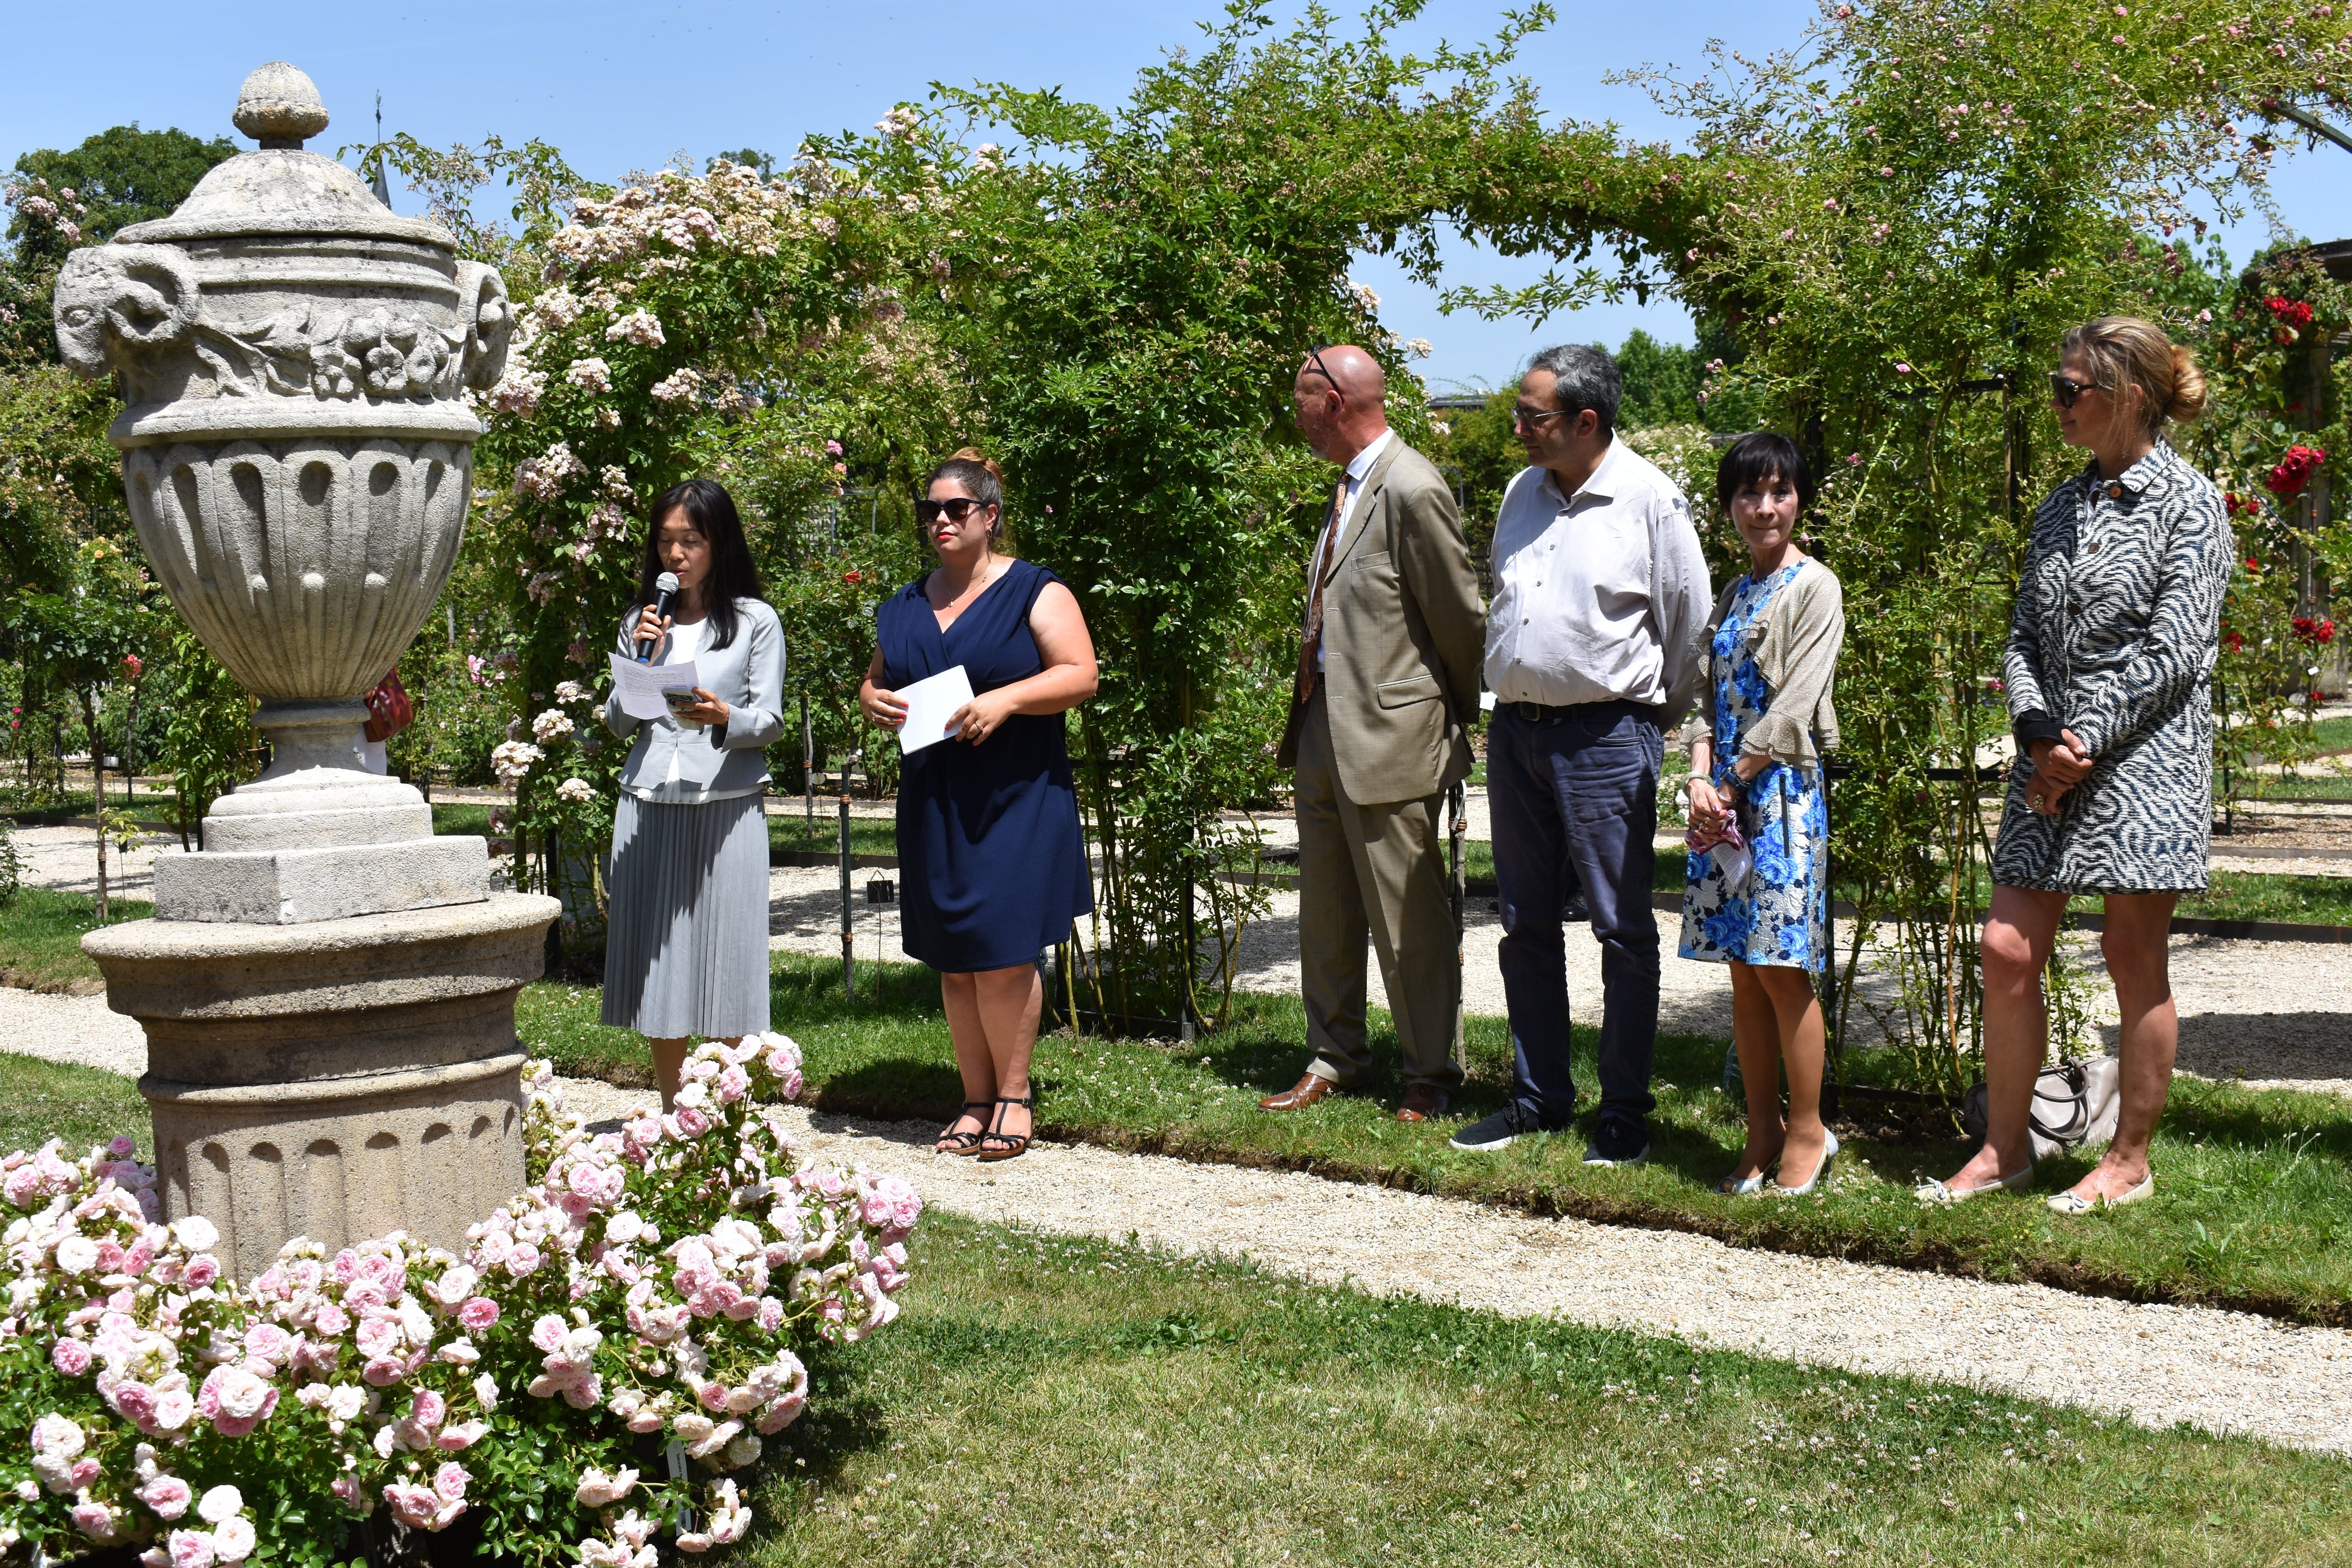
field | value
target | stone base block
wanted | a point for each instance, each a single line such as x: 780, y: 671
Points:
x: 429, y: 1151
x: 290, y: 887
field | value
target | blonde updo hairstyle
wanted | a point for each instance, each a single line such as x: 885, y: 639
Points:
x: 981, y: 479
x: 2124, y: 351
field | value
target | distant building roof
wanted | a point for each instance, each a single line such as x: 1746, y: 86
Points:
x: 1458, y: 400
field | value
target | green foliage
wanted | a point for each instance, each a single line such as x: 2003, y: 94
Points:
x: 1897, y: 221
x: 209, y: 744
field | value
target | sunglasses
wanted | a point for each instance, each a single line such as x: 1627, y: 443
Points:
x: 1315, y: 352
x: 1533, y: 418
x: 2065, y: 389
x: 958, y: 507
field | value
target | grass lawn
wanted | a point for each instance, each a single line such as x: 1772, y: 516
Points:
x: 1045, y: 1400
x: 1050, y: 1401
x: 462, y: 820
x: 2252, y: 1209
x: 867, y: 835
x: 40, y: 937
x: 40, y: 1100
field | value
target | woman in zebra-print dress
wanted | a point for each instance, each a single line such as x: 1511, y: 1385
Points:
x: 2109, y: 672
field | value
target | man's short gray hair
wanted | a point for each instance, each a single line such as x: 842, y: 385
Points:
x: 1584, y: 377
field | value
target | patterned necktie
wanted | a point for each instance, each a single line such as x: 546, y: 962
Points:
x: 1313, y: 644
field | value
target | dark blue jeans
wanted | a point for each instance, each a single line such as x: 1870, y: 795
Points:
x: 1574, y: 797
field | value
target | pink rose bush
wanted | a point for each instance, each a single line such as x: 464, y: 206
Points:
x: 643, y: 1297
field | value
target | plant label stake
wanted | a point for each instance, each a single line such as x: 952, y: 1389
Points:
x: 849, y: 926
x: 674, y: 1457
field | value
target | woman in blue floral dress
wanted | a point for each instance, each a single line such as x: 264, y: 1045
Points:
x: 1757, y: 895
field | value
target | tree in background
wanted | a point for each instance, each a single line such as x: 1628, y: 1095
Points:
x: 74, y: 592
x: 83, y: 197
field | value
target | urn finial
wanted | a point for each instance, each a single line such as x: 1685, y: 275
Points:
x: 278, y: 106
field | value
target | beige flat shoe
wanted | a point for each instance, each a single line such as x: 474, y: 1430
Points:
x: 2070, y: 1203
x: 1935, y: 1191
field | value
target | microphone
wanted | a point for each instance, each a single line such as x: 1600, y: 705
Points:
x: 665, y: 590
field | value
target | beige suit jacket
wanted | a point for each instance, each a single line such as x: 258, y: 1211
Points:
x: 1404, y: 636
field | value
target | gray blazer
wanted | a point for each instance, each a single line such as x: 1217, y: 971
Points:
x: 747, y: 675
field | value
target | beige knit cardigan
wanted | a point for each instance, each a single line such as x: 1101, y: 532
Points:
x: 1795, y: 643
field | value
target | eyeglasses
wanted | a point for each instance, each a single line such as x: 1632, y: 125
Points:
x: 1315, y: 352
x: 2065, y: 389
x: 958, y: 507
x: 1534, y: 418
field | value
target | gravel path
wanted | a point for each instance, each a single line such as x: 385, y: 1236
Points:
x: 2227, y: 1371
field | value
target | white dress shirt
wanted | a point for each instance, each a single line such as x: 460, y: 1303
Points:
x: 1600, y: 595
x: 1336, y: 534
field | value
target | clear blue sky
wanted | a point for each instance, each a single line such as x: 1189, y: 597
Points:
x: 623, y: 86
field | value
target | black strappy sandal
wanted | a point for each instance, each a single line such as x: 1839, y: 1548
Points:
x: 953, y: 1143
x: 995, y: 1145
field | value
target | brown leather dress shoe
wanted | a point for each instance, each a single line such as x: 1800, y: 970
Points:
x: 1309, y: 1089
x: 1423, y: 1100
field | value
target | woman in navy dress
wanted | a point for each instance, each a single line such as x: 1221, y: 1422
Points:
x: 990, y: 855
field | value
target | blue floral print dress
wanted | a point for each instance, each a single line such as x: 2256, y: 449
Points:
x: 1781, y: 914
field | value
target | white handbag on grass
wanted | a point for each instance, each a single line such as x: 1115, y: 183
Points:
x: 2075, y: 1106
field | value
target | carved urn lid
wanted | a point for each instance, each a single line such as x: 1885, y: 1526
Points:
x: 282, y: 188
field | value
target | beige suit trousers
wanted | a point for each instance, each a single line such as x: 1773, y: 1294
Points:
x: 1374, y: 871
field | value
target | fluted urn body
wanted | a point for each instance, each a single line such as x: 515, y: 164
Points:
x: 328, y: 987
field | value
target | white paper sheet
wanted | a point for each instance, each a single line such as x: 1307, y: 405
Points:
x: 641, y: 685
x: 930, y: 705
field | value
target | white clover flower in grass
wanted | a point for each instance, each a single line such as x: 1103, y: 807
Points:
x: 638, y: 327
x: 552, y: 726
x: 590, y: 373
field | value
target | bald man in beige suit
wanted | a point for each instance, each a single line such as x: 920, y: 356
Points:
x: 1386, y: 690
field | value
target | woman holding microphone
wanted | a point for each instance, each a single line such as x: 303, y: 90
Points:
x: 687, y: 947
x: 989, y: 849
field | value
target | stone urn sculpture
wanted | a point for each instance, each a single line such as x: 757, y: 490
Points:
x: 328, y: 987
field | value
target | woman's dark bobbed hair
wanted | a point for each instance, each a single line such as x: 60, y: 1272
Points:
x: 711, y: 510
x: 1759, y: 456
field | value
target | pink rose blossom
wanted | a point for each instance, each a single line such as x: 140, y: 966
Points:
x: 479, y: 1313
x: 70, y: 1357
x: 196, y: 1274
x: 168, y: 1496
x: 191, y: 1549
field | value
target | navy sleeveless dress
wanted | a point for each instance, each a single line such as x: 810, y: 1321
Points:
x: 991, y: 866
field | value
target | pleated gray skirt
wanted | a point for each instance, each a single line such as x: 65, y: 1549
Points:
x: 686, y: 949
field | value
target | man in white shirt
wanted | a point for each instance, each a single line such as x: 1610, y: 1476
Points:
x: 1386, y: 687
x: 1601, y: 598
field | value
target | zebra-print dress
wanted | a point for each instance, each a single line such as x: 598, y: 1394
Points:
x: 2116, y: 628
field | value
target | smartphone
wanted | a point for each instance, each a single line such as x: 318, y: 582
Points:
x: 681, y: 699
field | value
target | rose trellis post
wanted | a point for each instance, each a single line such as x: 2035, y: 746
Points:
x: 327, y: 988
